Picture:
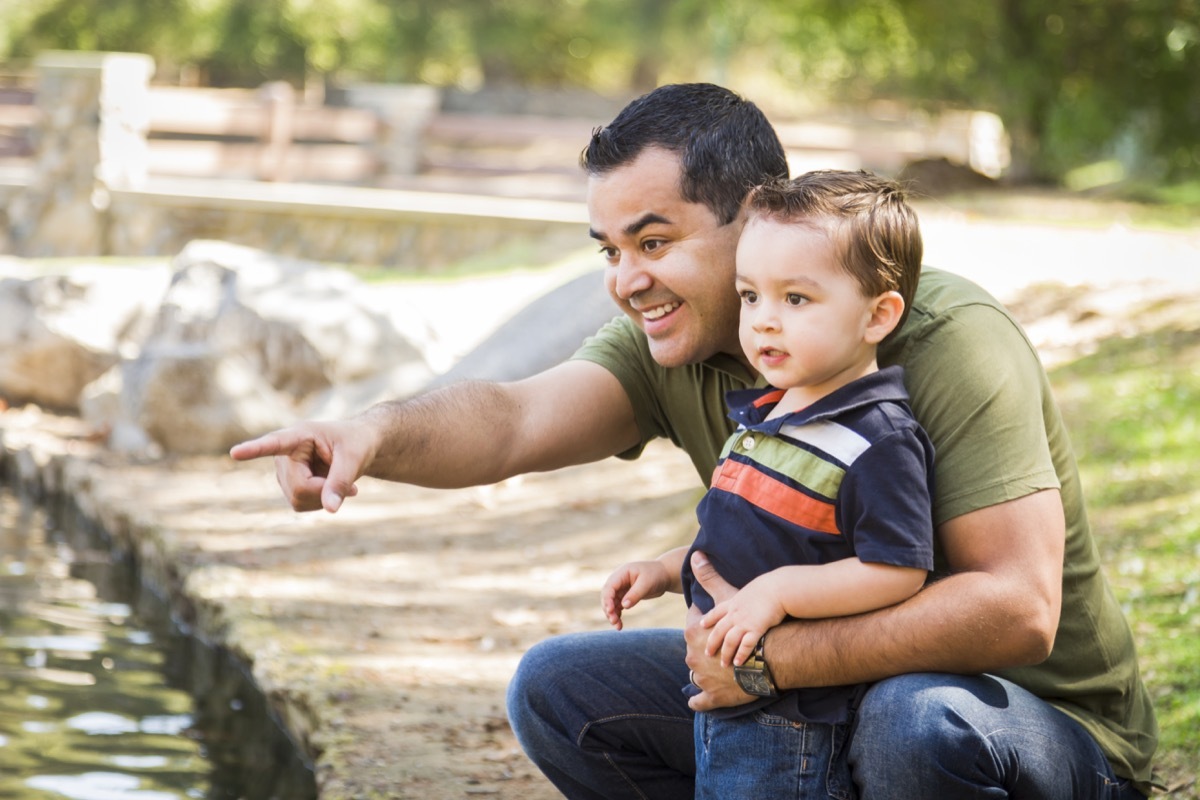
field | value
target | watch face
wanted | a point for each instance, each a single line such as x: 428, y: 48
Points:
x: 754, y: 682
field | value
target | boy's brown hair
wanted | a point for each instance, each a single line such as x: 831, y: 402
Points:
x: 875, y: 231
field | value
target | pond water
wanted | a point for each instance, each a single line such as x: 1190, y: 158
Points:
x: 103, y: 697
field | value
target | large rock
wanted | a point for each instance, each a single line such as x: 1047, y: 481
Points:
x: 60, y: 331
x: 304, y: 325
x: 185, y: 398
x: 547, y: 331
x: 241, y: 340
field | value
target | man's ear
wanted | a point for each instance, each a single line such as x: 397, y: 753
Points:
x: 886, y: 311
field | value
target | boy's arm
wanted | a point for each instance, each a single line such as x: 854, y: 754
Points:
x: 805, y: 591
x: 637, y: 580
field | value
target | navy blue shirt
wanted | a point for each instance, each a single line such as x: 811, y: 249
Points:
x: 849, y: 476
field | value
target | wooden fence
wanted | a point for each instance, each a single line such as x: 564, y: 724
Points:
x: 262, y: 134
x: 271, y: 134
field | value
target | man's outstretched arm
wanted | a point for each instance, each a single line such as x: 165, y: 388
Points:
x: 462, y: 435
x: 999, y: 608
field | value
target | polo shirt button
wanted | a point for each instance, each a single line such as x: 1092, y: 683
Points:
x: 748, y: 443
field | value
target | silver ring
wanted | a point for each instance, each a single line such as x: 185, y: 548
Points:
x: 692, y: 677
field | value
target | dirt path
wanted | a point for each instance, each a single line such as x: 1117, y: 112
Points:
x: 387, y: 633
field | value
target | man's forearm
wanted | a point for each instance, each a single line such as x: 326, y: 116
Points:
x: 961, y: 624
x: 457, y: 436
x: 477, y: 432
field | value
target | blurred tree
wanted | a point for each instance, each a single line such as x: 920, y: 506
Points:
x: 156, y: 27
x: 1076, y: 81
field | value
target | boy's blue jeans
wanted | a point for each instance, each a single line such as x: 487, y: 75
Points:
x: 807, y: 761
x: 602, y: 715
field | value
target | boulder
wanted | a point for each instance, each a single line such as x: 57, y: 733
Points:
x: 543, y: 333
x: 185, y: 399
x: 59, y: 331
x: 547, y: 331
x: 304, y: 325
x: 241, y: 340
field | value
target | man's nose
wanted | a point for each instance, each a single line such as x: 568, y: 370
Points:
x: 631, y: 278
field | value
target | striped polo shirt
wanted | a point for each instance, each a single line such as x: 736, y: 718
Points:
x: 850, y: 475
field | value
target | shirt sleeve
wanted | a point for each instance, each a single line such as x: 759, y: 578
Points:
x: 616, y: 348
x: 978, y: 390
x: 885, y: 504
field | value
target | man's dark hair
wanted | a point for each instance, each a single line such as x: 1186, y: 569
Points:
x: 725, y: 144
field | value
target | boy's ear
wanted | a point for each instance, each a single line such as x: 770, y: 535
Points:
x: 886, y: 310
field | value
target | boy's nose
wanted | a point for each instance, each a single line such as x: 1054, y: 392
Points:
x: 764, y: 320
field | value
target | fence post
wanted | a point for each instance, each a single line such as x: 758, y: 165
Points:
x: 90, y: 138
x: 279, y: 99
x: 406, y: 110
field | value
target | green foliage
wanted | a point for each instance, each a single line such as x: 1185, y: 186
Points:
x: 1132, y: 409
x: 1076, y: 81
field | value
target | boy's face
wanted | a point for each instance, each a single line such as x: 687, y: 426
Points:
x: 670, y: 262
x: 805, y: 321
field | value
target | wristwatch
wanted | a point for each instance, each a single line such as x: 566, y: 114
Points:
x: 753, y: 675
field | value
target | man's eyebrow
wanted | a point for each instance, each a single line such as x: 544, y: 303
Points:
x: 633, y: 228
x: 649, y: 218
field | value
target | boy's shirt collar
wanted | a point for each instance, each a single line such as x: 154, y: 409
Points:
x: 750, y: 407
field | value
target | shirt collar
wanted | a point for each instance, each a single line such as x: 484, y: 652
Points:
x: 750, y: 407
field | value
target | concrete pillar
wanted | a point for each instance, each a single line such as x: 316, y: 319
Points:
x: 90, y: 137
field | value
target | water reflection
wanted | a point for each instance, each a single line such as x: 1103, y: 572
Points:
x: 102, y: 698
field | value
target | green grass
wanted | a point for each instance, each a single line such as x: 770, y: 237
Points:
x: 1133, y: 408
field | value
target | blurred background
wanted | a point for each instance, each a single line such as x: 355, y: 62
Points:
x: 1091, y: 93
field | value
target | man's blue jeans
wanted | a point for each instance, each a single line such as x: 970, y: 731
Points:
x: 603, y: 716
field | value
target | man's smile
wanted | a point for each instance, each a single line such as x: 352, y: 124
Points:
x: 658, y: 312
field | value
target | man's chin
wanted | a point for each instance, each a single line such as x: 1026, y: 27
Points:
x: 669, y: 354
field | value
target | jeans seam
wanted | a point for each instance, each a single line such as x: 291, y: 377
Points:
x: 628, y: 782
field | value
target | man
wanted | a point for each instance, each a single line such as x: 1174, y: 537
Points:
x: 1013, y: 673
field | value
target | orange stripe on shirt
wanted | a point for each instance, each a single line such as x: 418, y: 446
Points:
x: 774, y: 496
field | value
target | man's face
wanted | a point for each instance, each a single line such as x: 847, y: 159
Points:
x: 670, y: 262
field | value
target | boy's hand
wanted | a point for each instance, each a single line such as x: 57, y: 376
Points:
x: 739, y: 622
x: 630, y: 583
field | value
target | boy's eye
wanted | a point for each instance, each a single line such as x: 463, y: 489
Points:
x: 748, y: 296
x: 796, y: 299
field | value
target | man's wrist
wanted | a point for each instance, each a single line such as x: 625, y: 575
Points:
x: 754, y: 674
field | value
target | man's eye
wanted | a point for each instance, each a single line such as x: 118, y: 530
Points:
x: 651, y: 245
x: 609, y: 253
